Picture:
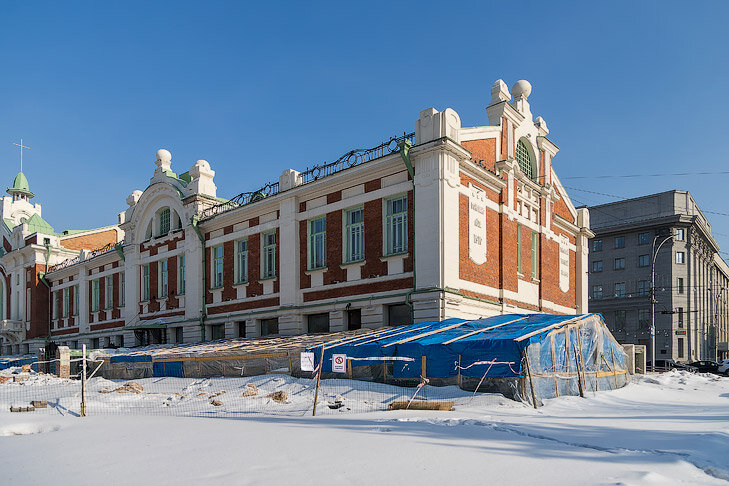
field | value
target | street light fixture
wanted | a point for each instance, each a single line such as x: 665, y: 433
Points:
x: 653, y: 296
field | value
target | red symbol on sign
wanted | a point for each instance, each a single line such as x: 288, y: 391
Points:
x: 339, y: 360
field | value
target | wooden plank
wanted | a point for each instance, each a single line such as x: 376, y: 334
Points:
x: 367, y: 335
x: 222, y: 358
x: 391, y: 335
x: 469, y: 334
x: 425, y: 334
x: 423, y: 364
x: 529, y: 374
x: 539, y: 331
x: 554, y: 366
x: 421, y: 405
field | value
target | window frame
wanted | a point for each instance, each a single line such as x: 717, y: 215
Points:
x: 597, y: 268
x: 163, y: 270
x: 621, y: 265
x: 144, y: 282
x: 65, y: 307
x: 535, y: 255
x: 525, y: 160
x: 647, y: 235
x: 647, y: 261
x: 622, y: 293
x: 353, y: 232
x: 679, y: 285
x: 621, y: 240
x: 122, y: 290
x: 217, y: 262
x: 317, y: 243
x: 241, y: 261
x: 597, y: 245
x: 75, y: 300
x: 268, y: 255
x: 680, y: 255
x: 645, y: 290
x: 680, y: 234
x: 164, y: 218
x: 108, y: 292
x: 396, y: 223
x: 597, y: 292
x: 95, y: 304
x: 181, y: 274
x: 54, y: 312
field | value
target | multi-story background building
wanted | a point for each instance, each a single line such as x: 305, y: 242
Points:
x: 448, y: 221
x: 690, y: 277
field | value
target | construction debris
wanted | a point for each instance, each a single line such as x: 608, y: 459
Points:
x: 251, y: 390
x: 278, y: 396
x: 130, y: 387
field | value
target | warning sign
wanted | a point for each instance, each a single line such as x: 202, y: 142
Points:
x: 339, y: 363
x: 307, y: 361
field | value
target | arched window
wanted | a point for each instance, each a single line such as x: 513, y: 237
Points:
x: 526, y: 162
x: 164, y: 221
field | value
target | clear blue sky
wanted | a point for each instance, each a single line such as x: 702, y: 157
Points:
x: 95, y: 88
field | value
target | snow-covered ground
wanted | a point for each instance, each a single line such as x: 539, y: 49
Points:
x: 663, y: 429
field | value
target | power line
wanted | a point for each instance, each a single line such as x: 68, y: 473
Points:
x: 657, y: 174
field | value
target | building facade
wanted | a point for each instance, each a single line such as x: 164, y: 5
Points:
x: 447, y: 221
x: 690, y: 279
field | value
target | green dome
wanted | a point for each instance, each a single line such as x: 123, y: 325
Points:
x: 21, y: 182
x: 20, y: 185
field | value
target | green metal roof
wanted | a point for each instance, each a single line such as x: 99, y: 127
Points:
x: 36, y: 224
x: 9, y: 223
x: 20, y: 184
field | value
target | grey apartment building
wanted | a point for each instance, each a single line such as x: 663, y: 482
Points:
x: 691, y: 279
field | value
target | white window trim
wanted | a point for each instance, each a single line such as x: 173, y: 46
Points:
x: 345, y: 235
x: 181, y: 274
x: 142, y: 296
x: 265, y: 275
x: 309, y: 251
x: 386, y: 226
x: 244, y: 280
x: 163, y: 293
x: 213, y: 283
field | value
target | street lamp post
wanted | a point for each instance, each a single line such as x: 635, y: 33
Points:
x: 716, y: 323
x: 653, y: 297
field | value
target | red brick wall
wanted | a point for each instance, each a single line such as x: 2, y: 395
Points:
x: 92, y: 241
x: 373, y: 267
x: 39, y: 302
x: 335, y: 245
x: 483, y: 150
x: 504, y: 138
x: 367, y: 288
x: 240, y: 306
x: 488, y: 273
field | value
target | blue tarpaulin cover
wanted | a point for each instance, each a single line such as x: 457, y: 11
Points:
x: 498, y: 340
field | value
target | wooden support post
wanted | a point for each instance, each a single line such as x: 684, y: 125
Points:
x: 318, y: 380
x: 615, y: 375
x: 423, y: 365
x: 582, y: 361
x: 291, y: 366
x: 579, y: 376
x: 83, y: 381
x: 349, y: 368
x: 529, y: 374
x: 459, y: 371
x: 384, y: 372
x: 554, y: 365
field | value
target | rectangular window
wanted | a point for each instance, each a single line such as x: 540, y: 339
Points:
x: 680, y: 257
x: 644, y: 260
x: 680, y: 234
x: 65, y: 302
x: 164, y: 221
x: 122, y: 289
x: 163, y: 279
x: 644, y: 318
x: 620, y: 242
x: 620, y: 289
x: 679, y: 285
x: 396, y: 225
x: 181, y: 275
x: 518, y: 248
x: 269, y: 326
x: 620, y: 318
x: 109, y: 292
x: 318, y: 323
x: 144, y: 274
x: 95, y: 295
x: 217, y: 267
x: 399, y: 315
x: 179, y: 335
x: 241, y: 261
x: 317, y: 243
x: 75, y: 300
x: 597, y: 292
x: 354, y: 319
x: 268, y: 250
x: 597, y: 266
x: 596, y: 245
x: 679, y: 312
x: 620, y: 264
x: 680, y: 348
x: 535, y: 255
x: 644, y: 238
x: 644, y: 288
x: 54, y: 313
x: 354, y: 235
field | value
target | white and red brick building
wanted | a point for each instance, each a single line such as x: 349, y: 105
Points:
x: 450, y: 221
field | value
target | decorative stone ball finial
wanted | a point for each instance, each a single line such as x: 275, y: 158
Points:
x: 521, y: 89
x: 164, y: 159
